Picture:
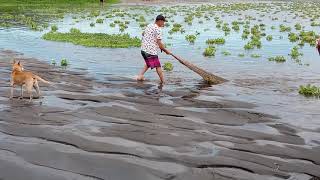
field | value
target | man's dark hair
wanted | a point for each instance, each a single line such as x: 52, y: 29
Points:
x: 160, y: 18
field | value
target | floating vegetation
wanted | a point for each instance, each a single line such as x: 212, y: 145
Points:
x: 216, y: 41
x: 226, y: 53
x: 284, y: 28
x: 209, y: 51
x: 191, y: 38
x: 293, y: 37
x: 269, y: 38
x: 315, y: 24
x: 255, y: 55
x: 64, y: 62
x: 309, y: 91
x: 295, y: 54
x: 278, y: 59
x: 100, y: 21
x: 92, y: 24
x: 54, y: 28
x: 95, y: 39
x: 168, y: 66
x: 298, y: 27
x: 241, y: 55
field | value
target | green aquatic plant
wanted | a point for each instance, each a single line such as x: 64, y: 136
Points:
x: 269, y: 38
x: 75, y: 30
x: 255, y: 55
x: 248, y: 46
x: 241, y: 55
x: 284, y: 28
x: 54, y: 28
x: 190, y: 38
x: 64, y: 62
x: 273, y: 27
x: 95, y: 39
x: 216, y: 41
x: 293, y: 37
x: 209, y: 51
x: 53, y: 62
x: 298, y: 27
x: 315, y: 24
x: 309, y: 90
x: 278, y: 59
x: 295, y: 53
x: 92, y: 24
x: 168, y: 66
x: 226, y: 53
x: 112, y: 25
x: 100, y: 21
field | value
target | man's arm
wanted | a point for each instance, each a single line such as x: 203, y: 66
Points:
x: 162, y: 47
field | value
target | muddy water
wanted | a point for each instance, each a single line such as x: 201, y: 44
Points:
x: 273, y: 87
x: 111, y: 104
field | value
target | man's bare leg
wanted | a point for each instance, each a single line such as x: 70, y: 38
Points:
x: 160, y: 74
x: 144, y: 70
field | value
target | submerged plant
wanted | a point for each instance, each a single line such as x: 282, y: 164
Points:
x: 226, y: 53
x: 255, y: 55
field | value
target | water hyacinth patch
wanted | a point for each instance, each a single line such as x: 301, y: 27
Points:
x: 95, y: 39
x: 191, y: 38
x: 278, y: 59
x: 209, y: 51
x: 168, y: 66
x: 310, y: 91
x: 216, y: 41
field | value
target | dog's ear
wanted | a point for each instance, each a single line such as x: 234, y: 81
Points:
x: 19, y: 63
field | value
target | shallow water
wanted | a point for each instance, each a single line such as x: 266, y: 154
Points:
x: 271, y: 86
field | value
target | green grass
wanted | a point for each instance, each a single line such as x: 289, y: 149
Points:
x: 168, y: 66
x: 309, y: 91
x: 95, y: 39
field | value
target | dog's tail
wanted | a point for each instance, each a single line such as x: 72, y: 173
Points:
x: 40, y: 79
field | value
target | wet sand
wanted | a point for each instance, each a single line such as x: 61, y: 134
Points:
x: 120, y: 129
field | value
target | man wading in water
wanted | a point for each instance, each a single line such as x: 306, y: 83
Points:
x: 151, y: 41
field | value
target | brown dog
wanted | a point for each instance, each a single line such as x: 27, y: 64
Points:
x: 27, y: 79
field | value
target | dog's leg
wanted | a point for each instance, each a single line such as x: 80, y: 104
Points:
x: 29, y: 90
x: 37, y: 88
x: 11, y: 91
x: 21, y: 95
